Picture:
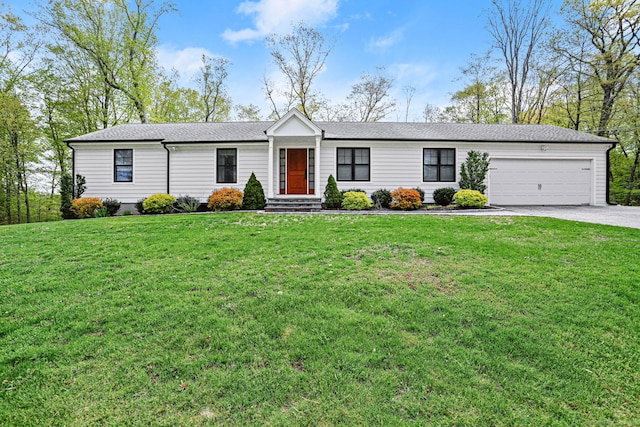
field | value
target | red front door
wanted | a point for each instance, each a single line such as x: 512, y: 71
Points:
x: 297, y: 171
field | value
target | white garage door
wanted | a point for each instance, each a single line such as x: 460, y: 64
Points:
x: 540, y: 182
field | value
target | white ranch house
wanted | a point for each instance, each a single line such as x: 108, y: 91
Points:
x: 293, y: 158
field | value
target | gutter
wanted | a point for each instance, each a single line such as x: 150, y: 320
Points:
x: 168, y: 167
x: 609, y: 202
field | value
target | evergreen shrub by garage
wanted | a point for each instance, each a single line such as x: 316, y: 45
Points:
x: 84, y: 207
x: 355, y: 201
x: 225, y: 199
x: 444, y: 196
x: 406, y: 199
x: 160, y: 203
x: 470, y: 199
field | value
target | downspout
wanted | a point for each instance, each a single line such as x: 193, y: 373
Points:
x: 168, y: 166
x: 609, y: 172
x: 73, y: 163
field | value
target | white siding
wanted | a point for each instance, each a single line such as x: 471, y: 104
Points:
x: 393, y: 165
x: 95, y: 163
x: 399, y: 164
x: 193, y: 168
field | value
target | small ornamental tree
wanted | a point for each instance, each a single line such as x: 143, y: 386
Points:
x: 332, y: 196
x: 70, y: 191
x: 80, y: 186
x: 66, y: 196
x: 253, y: 198
x: 474, y: 171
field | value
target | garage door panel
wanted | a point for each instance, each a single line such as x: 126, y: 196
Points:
x: 540, y: 182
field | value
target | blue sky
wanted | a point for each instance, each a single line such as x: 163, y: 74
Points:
x: 421, y: 43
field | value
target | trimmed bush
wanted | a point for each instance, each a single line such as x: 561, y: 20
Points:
x: 332, y: 196
x: 355, y: 200
x: 406, y: 199
x: 225, y: 199
x: 158, y: 203
x: 253, y: 198
x: 139, y: 206
x: 444, y: 196
x: 85, y: 207
x: 470, y: 199
x: 381, y: 198
x: 111, y: 205
x: 421, y: 193
x: 187, y: 204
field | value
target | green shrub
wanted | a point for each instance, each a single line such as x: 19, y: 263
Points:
x: 111, y: 205
x: 127, y: 213
x: 470, y: 199
x: 158, y: 203
x: 186, y: 204
x: 421, y: 193
x: 101, y: 213
x: 140, y: 206
x: 85, y: 207
x: 381, y: 198
x: 444, y: 196
x: 253, y: 198
x: 406, y: 199
x: 474, y: 171
x: 353, y: 190
x: 66, y: 196
x: 226, y: 199
x: 332, y: 196
x: 355, y: 200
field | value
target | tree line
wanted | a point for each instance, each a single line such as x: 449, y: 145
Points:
x: 88, y: 65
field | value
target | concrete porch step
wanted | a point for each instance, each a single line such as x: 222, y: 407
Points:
x: 293, y: 205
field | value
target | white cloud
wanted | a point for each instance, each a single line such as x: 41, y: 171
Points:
x: 186, y: 61
x: 385, y: 42
x: 277, y: 16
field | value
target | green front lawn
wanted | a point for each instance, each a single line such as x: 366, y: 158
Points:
x: 322, y: 319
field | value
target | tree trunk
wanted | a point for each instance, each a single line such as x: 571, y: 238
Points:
x: 19, y: 209
x: 632, y: 177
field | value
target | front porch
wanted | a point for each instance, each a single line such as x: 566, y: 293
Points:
x: 293, y: 162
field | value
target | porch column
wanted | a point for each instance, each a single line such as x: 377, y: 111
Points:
x: 317, y: 166
x: 270, y: 170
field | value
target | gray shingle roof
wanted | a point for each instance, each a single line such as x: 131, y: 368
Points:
x: 255, y: 132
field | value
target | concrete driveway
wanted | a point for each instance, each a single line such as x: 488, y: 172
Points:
x: 623, y: 216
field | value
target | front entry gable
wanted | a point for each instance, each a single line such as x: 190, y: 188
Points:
x: 294, y: 124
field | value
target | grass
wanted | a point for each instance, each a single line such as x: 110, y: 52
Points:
x: 227, y: 319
